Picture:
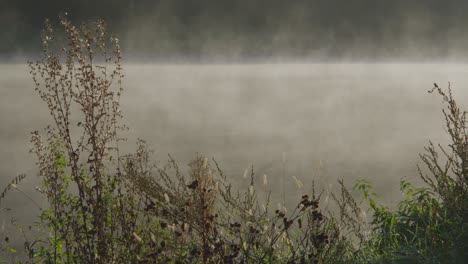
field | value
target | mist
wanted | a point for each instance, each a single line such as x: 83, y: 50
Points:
x: 330, y: 121
x: 255, y: 31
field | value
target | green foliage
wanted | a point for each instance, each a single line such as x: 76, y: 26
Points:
x: 430, y: 223
x: 418, y: 230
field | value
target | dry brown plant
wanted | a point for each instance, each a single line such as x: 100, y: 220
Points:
x: 90, y: 205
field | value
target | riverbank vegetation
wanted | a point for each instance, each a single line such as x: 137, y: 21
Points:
x: 105, y: 206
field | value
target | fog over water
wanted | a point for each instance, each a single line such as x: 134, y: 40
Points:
x: 226, y: 30
x: 325, y: 121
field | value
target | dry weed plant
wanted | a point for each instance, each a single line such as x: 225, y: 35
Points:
x: 90, y: 214
x: 214, y: 224
x: 5, y: 244
x: 449, y: 179
x: 12, y: 184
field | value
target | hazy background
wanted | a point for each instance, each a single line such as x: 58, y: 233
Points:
x: 253, y: 30
x: 316, y: 89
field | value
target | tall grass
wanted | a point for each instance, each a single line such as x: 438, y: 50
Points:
x: 109, y: 207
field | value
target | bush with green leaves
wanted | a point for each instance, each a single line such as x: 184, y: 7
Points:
x: 430, y: 223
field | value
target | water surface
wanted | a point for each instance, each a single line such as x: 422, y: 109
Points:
x: 317, y: 121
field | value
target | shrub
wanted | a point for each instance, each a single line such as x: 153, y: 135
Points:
x: 93, y: 212
x: 211, y: 223
x: 430, y: 224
